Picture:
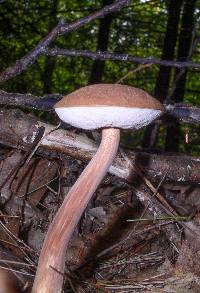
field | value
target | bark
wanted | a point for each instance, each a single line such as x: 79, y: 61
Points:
x: 29, y: 101
x: 102, y: 45
x: 21, y: 135
x: 163, y: 79
x: 184, y: 52
x: 107, y: 55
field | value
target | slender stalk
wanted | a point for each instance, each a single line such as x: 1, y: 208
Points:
x: 52, y: 257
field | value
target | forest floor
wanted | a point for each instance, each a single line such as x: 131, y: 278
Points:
x: 118, y: 245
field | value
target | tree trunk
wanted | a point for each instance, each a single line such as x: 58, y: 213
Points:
x: 184, y: 52
x: 102, y: 45
x: 50, y: 61
x: 163, y: 79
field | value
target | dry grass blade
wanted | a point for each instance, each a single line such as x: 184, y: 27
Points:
x: 139, y: 68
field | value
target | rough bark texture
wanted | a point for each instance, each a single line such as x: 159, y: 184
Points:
x: 29, y: 101
x: 107, y: 55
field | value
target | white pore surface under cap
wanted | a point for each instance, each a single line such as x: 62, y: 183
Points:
x: 98, y: 117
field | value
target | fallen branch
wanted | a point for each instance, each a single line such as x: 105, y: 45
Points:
x: 186, y: 113
x: 29, y: 101
x: 183, y: 112
x: 18, y: 130
x: 61, y: 29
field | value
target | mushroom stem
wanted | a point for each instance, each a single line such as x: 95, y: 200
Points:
x: 50, y: 271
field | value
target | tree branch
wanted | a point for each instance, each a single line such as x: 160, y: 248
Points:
x: 117, y: 57
x: 185, y: 113
x: 18, y: 130
x: 61, y: 29
x: 29, y: 101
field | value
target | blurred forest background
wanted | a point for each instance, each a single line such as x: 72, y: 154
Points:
x: 162, y: 29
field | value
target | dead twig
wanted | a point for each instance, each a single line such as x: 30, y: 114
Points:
x: 61, y: 29
x: 17, y: 271
x: 139, y: 68
x: 106, y: 55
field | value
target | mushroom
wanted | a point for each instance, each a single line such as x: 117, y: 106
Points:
x: 109, y: 107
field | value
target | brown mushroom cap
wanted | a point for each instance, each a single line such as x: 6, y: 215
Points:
x: 108, y: 105
x: 110, y: 95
